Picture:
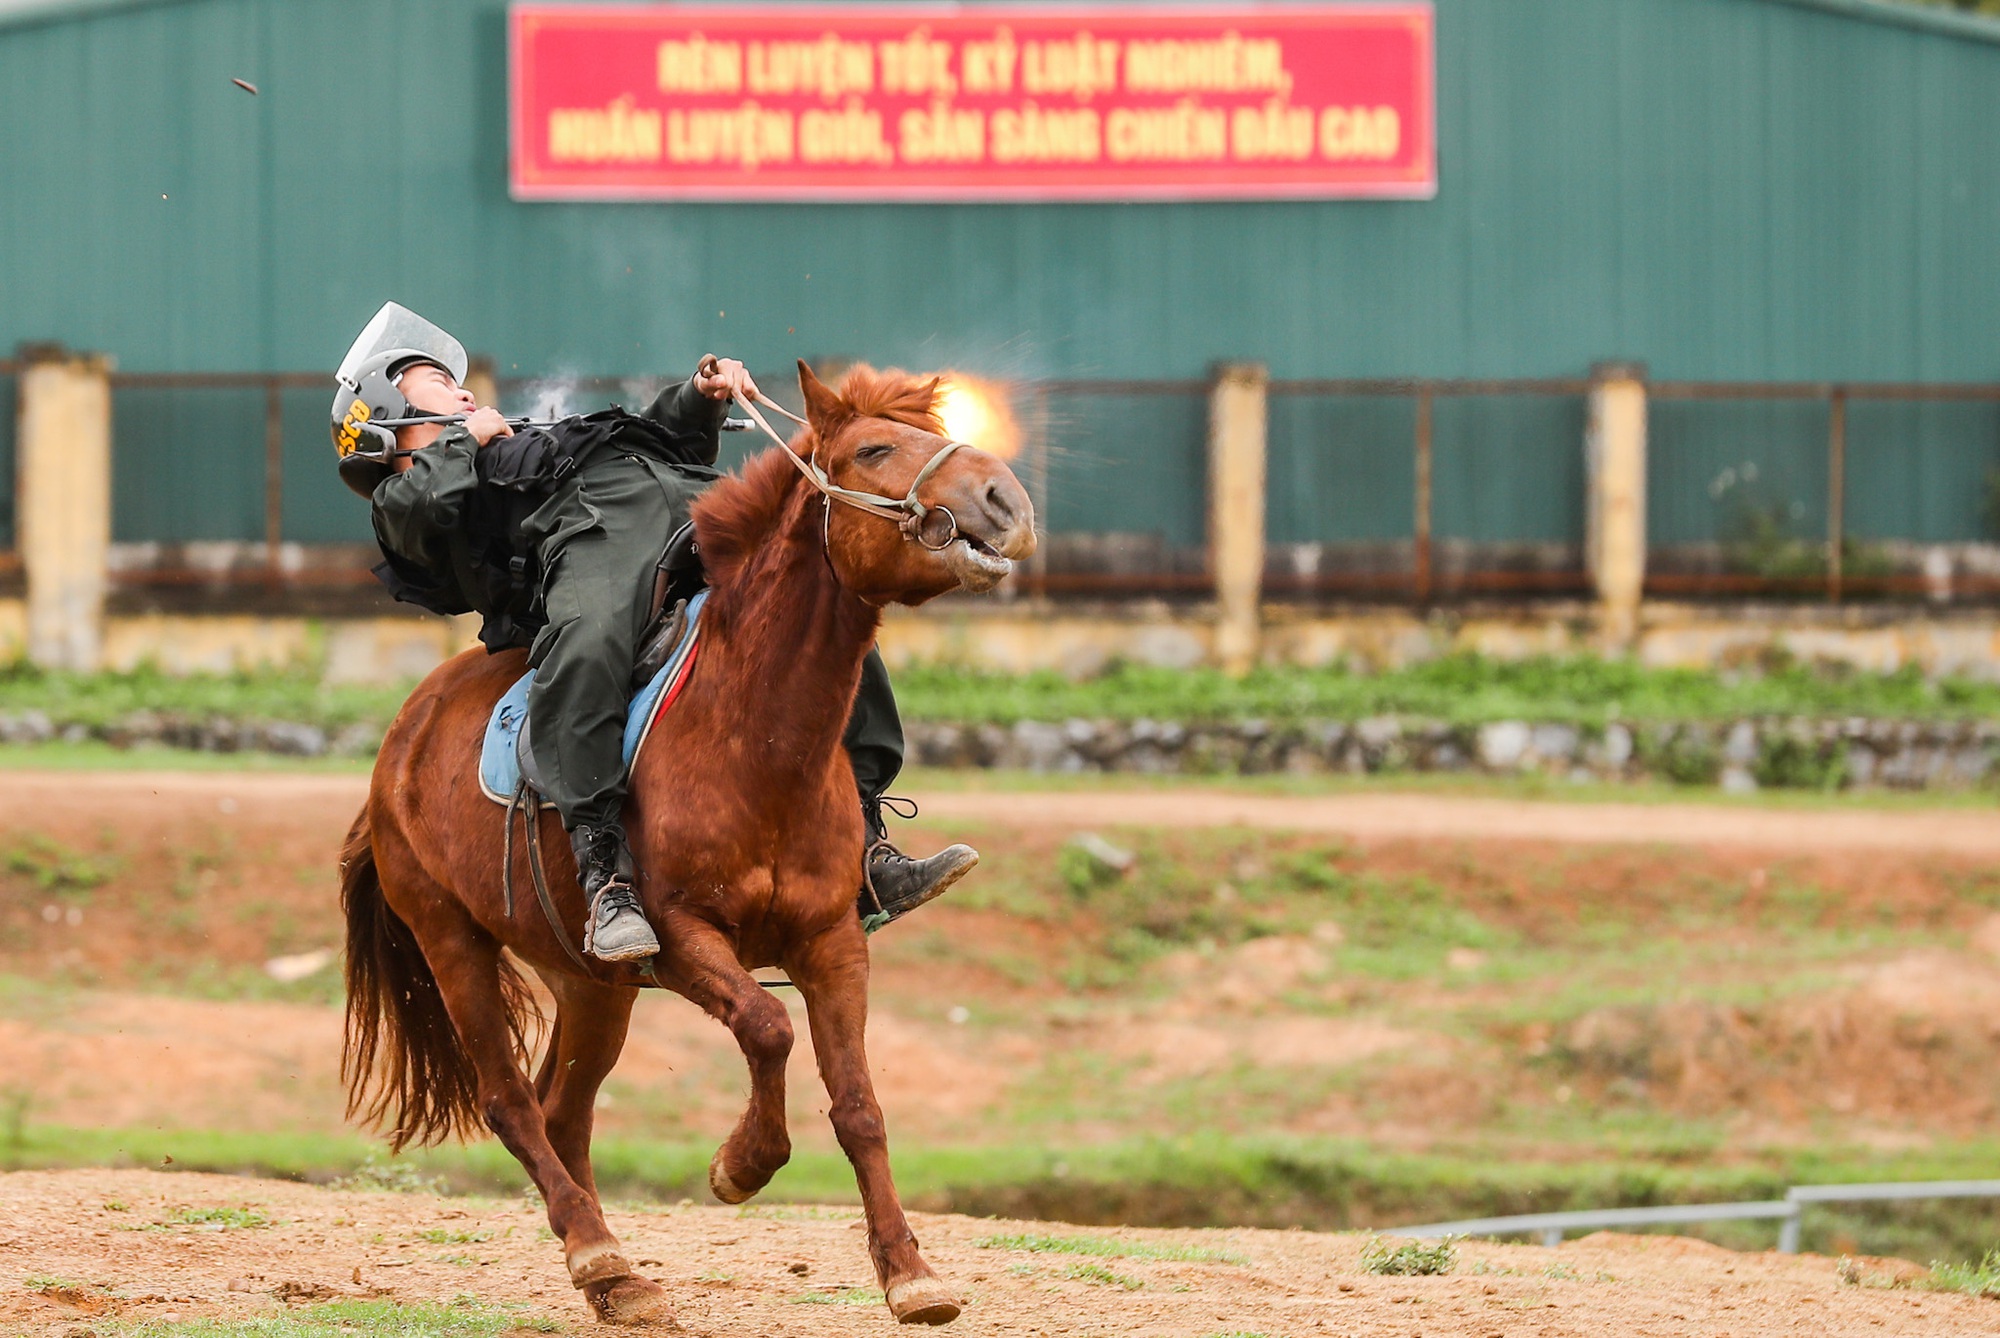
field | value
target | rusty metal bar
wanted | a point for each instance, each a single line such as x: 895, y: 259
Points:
x: 1403, y: 385
x: 217, y: 380
x: 1038, y: 488
x: 1084, y: 387
x: 1422, y: 542
x: 274, y: 474
x: 1822, y: 390
x: 1836, y: 491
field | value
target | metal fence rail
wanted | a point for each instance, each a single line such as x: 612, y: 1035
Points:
x: 1384, y: 488
x: 1788, y: 1210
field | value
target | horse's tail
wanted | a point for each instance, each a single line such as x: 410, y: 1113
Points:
x: 402, y: 1059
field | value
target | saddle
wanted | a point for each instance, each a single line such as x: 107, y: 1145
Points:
x: 666, y: 657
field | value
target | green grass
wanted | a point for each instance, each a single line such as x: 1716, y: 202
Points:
x: 101, y: 699
x: 1460, y: 689
x: 1100, y: 1276
x: 840, y: 1296
x: 95, y: 755
x: 1267, y: 1181
x: 351, y: 1319
x: 1463, y: 689
x: 1110, y: 1249
x: 220, y: 1219
x: 1456, y: 784
x: 441, y: 1236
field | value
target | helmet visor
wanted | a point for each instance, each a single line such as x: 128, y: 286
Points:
x: 397, y: 329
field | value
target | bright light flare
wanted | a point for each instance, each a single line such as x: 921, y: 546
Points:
x: 976, y: 411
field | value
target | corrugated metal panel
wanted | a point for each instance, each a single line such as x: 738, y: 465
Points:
x: 1719, y: 472
x: 1921, y: 471
x: 188, y: 465
x: 1726, y: 189
x: 1130, y: 465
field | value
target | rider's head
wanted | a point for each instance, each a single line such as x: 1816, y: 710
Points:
x: 429, y: 388
x: 396, y: 359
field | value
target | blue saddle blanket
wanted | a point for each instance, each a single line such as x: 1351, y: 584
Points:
x: 500, y: 764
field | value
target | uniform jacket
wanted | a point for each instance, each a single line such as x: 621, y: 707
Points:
x: 466, y: 529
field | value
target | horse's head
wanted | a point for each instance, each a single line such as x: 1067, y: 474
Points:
x: 878, y: 434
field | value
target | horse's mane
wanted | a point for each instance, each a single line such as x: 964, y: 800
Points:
x: 735, y: 517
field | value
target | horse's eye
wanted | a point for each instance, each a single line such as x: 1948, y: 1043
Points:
x: 870, y: 454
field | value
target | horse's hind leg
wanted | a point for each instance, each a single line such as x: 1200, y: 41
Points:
x: 699, y: 963
x: 832, y: 973
x: 467, y: 967
x: 591, y: 1021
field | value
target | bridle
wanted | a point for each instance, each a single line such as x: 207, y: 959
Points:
x: 911, y: 516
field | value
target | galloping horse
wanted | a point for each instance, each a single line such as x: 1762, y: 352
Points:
x: 744, y: 822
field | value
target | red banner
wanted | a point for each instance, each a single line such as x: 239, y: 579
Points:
x: 985, y: 103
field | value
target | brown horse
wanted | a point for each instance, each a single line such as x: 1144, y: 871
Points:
x: 745, y: 826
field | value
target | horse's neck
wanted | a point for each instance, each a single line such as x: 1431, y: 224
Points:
x: 781, y: 655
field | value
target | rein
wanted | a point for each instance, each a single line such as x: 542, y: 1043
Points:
x: 912, y: 516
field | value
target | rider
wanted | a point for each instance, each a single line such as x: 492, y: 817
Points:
x: 553, y: 535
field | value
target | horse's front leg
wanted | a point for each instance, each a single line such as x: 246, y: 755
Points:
x: 832, y: 974
x: 700, y: 963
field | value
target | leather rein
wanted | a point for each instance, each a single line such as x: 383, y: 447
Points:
x: 911, y: 516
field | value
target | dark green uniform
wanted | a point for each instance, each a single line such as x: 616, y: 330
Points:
x: 597, y: 537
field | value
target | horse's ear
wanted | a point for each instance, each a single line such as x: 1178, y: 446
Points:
x: 825, y: 409
x: 931, y: 392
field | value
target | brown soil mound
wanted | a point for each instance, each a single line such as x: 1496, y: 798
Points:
x: 96, y: 1246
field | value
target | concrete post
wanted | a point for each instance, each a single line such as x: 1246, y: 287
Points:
x: 63, y: 504
x: 1236, y: 417
x: 479, y: 379
x: 1615, y: 509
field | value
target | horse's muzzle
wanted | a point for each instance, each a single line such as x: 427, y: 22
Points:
x: 996, y: 528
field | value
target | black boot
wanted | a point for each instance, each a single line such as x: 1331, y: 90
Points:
x: 894, y: 884
x: 614, y: 928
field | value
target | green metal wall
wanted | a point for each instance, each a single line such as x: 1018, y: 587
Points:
x: 1724, y: 189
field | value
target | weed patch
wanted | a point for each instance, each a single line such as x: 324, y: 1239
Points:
x: 1409, y: 1258
x: 840, y: 1296
x: 395, y: 1177
x: 56, y: 869
x: 441, y: 1236
x: 216, y: 1219
x: 1980, y: 1279
x: 1100, y: 1276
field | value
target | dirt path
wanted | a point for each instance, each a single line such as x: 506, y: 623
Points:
x: 331, y: 801
x: 117, y: 1245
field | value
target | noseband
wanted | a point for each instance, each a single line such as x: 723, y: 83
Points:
x: 912, y: 517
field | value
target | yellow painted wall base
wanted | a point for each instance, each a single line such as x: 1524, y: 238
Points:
x: 1019, y: 636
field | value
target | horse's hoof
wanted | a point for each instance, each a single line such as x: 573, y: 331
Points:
x: 922, y: 1301
x: 597, y: 1263
x: 629, y: 1301
x: 720, y: 1185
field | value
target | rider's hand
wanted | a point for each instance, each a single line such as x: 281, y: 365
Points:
x: 486, y: 424
x: 721, y: 378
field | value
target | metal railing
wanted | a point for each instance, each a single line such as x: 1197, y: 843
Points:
x: 1788, y: 1210
x: 1426, y: 393
x: 1837, y: 395
x: 1420, y: 568
x: 273, y: 385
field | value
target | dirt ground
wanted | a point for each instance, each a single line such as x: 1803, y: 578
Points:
x: 139, y: 912
x: 106, y: 1247
x: 154, y: 901
x: 321, y: 803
